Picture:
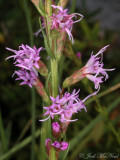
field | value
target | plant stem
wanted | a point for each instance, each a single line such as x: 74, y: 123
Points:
x: 63, y: 3
x: 54, y: 74
x: 33, y: 123
x: 29, y: 23
x: 54, y: 65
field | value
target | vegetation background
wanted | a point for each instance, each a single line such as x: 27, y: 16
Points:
x: 96, y: 131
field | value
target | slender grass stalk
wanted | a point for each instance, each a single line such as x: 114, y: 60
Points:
x: 33, y: 123
x: 73, y: 142
x: 29, y: 23
x: 20, y: 146
x: 2, y: 134
x: 25, y: 129
x: 104, y: 93
x: 87, y: 129
x: 89, y: 137
x: 105, y: 114
x: 63, y: 3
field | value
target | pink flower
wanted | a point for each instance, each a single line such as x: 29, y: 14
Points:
x: 28, y: 78
x: 66, y: 106
x: 60, y: 145
x: 56, y: 127
x: 94, y: 69
x: 62, y: 21
x: 56, y: 144
x: 26, y: 58
x: 64, y: 146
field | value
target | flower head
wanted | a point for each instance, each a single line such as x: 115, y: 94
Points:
x: 66, y: 106
x: 26, y: 58
x: 94, y: 70
x: 56, y: 144
x: 64, y: 146
x: 62, y: 21
x: 60, y: 145
x: 28, y: 78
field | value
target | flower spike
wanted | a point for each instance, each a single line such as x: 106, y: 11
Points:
x: 63, y: 22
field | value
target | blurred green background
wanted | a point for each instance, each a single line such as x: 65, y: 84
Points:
x: 96, y: 131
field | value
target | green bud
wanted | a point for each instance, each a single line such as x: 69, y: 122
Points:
x: 74, y: 78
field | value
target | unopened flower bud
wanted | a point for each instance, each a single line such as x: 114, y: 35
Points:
x: 56, y: 129
x: 64, y: 146
x: 41, y: 90
x: 78, y: 54
x: 60, y: 146
x: 42, y: 69
x: 48, y: 145
x: 57, y: 145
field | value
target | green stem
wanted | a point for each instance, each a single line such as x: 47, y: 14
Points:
x: 54, y: 74
x: 48, y: 9
x: 33, y: 123
x: 29, y: 23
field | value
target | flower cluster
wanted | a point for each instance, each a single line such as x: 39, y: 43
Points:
x: 62, y: 21
x: 26, y: 58
x: 94, y: 68
x: 59, y: 146
x: 66, y: 106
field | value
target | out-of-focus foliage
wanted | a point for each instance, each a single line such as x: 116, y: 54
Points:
x: 15, y: 116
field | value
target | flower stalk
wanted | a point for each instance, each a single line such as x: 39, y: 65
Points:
x: 59, y: 106
x: 54, y: 75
